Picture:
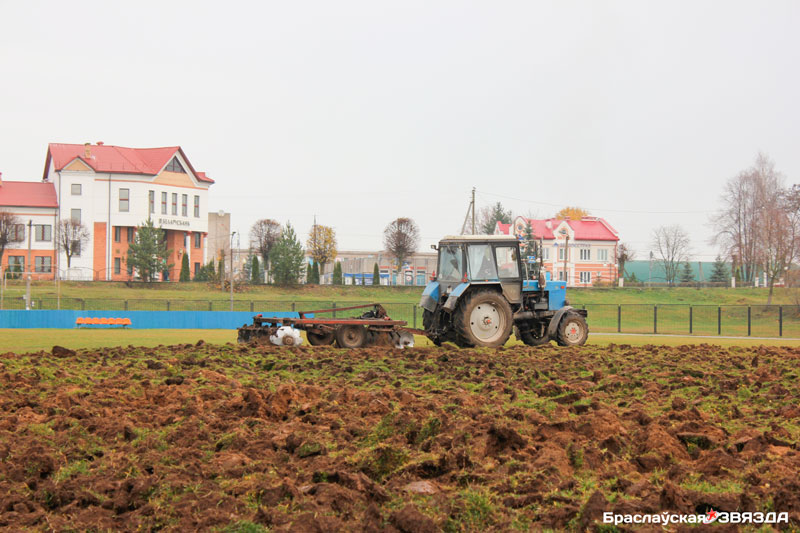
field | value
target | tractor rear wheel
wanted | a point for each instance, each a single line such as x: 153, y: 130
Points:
x: 324, y: 338
x: 483, y: 319
x: 351, y: 336
x: 572, y: 331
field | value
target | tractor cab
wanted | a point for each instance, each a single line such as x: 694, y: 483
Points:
x: 467, y: 260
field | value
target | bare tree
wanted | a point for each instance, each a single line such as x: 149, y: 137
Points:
x: 401, y: 239
x: 671, y: 243
x: 264, y: 234
x: 71, y: 237
x: 779, y: 232
x: 9, y: 231
x: 624, y: 254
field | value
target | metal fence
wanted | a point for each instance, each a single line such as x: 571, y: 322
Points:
x: 677, y: 319
x: 682, y: 319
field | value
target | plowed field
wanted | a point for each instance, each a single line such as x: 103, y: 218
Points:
x: 230, y: 438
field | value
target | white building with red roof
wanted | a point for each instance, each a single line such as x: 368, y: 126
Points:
x: 112, y: 190
x: 581, y: 252
x: 35, y: 206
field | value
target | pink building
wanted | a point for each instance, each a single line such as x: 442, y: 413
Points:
x: 582, y: 252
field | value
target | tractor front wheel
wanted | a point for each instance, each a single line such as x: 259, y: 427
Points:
x: 483, y: 319
x: 572, y: 331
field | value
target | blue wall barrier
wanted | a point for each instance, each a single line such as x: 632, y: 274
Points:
x: 139, y: 319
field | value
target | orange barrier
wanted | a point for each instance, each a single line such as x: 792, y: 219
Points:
x: 102, y: 321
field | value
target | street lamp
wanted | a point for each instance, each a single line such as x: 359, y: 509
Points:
x: 231, y: 267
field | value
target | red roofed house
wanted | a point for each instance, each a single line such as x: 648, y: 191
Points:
x: 112, y: 190
x: 589, y: 244
x: 36, y: 207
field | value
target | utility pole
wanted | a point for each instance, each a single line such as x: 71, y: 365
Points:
x: 473, y: 210
x: 232, y: 234
x: 470, y: 210
x: 28, y: 285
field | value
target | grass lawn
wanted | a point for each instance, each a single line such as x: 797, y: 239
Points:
x: 114, y: 293
x: 32, y: 340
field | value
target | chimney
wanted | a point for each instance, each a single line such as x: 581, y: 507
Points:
x: 100, y: 143
x: 87, y: 151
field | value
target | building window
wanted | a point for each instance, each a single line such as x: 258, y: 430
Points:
x: 130, y: 269
x: 586, y: 254
x: 131, y: 233
x: 16, y: 263
x: 545, y: 254
x: 175, y: 166
x: 197, y: 207
x: 163, y: 203
x: 43, y: 264
x: 117, y: 233
x: 174, y: 204
x: 185, y: 205
x: 117, y: 265
x: 18, y: 233
x: 43, y: 232
x: 196, y: 269
x: 75, y: 189
x: 124, y: 200
x: 562, y: 276
x: 75, y: 215
x: 152, y: 199
x: 76, y: 248
x: 561, y: 253
x: 586, y: 277
x: 198, y: 240
x: 602, y: 255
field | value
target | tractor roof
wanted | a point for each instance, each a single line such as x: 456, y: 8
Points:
x: 480, y: 238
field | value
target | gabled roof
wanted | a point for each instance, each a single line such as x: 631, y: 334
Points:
x: 117, y: 159
x: 27, y: 194
x: 585, y: 229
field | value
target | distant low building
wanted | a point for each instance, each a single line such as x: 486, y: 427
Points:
x: 581, y: 252
x: 358, y: 268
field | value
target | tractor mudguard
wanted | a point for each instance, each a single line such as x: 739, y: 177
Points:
x: 452, y: 300
x: 553, y: 326
x: 430, y: 296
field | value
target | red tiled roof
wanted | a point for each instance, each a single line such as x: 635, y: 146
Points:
x: 27, y: 194
x: 117, y: 159
x: 586, y: 229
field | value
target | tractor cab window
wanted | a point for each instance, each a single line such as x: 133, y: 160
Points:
x: 481, y: 262
x: 507, y: 265
x: 451, y: 263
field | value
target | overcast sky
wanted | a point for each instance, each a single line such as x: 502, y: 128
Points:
x: 361, y: 112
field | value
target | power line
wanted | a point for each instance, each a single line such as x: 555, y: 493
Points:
x: 646, y: 212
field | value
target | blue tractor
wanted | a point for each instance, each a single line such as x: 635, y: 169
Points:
x: 483, y: 290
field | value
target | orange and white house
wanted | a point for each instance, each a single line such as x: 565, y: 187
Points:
x: 581, y: 252
x: 35, y: 206
x: 112, y: 190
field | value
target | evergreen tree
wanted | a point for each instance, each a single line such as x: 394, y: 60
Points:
x: 632, y: 278
x: 313, y: 274
x: 255, y: 271
x: 720, y: 272
x: 287, y: 258
x: 148, y: 252
x: 687, y: 276
x: 376, y: 275
x: 185, y: 275
x: 337, y: 273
